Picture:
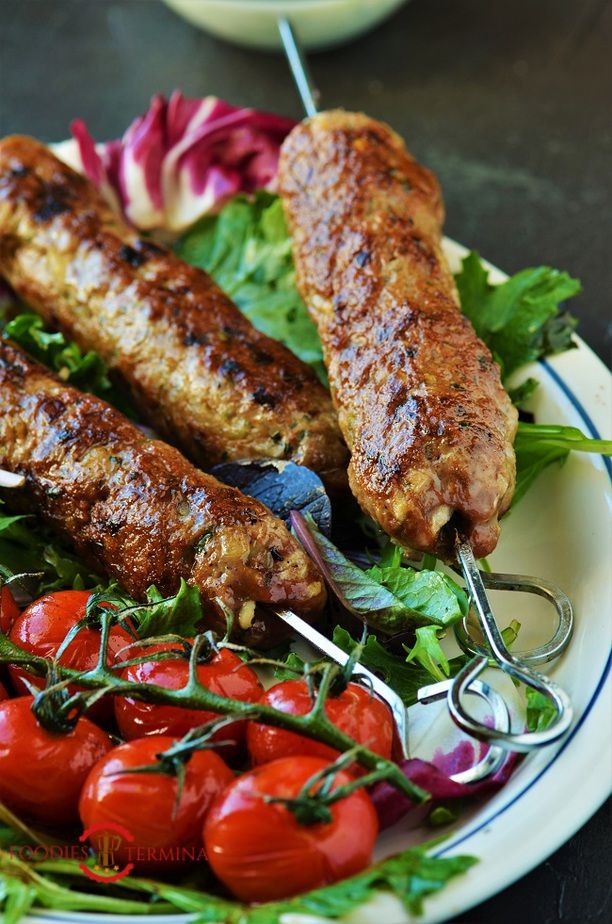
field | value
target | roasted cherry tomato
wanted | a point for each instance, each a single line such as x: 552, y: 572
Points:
x: 224, y: 674
x: 261, y: 852
x: 355, y: 711
x: 164, y: 833
x: 9, y: 611
x: 43, y: 626
x: 41, y: 772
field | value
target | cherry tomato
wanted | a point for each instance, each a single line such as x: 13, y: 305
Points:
x: 355, y: 711
x: 145, y: 803
x: 224, y: 674
x: 261, y: 852
x: 3, y: 692
x: 9, y: 611
x: 43, y: 626
x: 41, y: 772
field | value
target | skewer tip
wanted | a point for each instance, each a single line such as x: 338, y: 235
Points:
x: 11, y: 480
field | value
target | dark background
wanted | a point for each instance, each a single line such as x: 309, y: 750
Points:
x: 511, y: 105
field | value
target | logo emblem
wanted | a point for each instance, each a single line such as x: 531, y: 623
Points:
x: 106, y: 840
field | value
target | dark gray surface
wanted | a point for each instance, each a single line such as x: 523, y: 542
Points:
x: 510, y: 103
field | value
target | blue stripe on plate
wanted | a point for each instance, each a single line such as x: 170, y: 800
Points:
x: 593, y: 431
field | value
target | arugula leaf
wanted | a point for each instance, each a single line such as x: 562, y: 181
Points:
x: 520, y: 319
x: 428, y: 652
x: 411, y: 876
x: 523, y: 392
x: 61, y: 884
x: 86, y: 371
x: 247, y: 249
x: 539, y: 445
x: 540, y: 710
x: 179, y: 614
x: 16, y: 899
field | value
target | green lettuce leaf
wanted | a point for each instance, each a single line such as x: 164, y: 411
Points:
x: 521, y: 319
x: 390, y: 596
x: 26, y: 547
x: 179, y: 614
x: 429, y: 595
x: 428, y: 652
x: 86, y: 371
x: 247, y: 250
x: 539, y: 445
x: 405, y: 678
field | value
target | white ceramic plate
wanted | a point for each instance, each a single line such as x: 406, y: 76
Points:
x: 560, y: 531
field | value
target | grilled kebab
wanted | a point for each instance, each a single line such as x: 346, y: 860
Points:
x: 418, y: 395
x: 137, y: 510
x: 196, y: 368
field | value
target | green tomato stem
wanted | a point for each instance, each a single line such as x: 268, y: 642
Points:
x: 314, y: 724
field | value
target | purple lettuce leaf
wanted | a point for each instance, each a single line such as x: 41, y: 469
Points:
x: 181, y: 159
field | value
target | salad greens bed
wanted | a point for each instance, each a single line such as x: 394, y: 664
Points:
x: 411, y: 876
x: 247, y: 249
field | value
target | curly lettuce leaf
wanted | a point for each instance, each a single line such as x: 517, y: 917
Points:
x: 520, y: 320
x: 179, y: 614
x: 86, y: 370
x: 406, y: 678
x: 430, y: 593
x: 247, y: 250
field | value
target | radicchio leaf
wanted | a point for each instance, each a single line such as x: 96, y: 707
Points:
x: 392, y: 806
x: 282, y: 486
x: 181, y: 159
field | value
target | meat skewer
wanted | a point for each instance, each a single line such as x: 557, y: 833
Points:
x: 197, y: 369
x: 419, y: 397
x: 137, y: 510
x: 357, y: 201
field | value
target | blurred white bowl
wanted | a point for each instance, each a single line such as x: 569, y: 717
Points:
x: 318, y: 23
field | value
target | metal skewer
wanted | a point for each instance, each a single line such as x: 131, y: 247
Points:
x: 494, y: 651
x: 507, y: 662
x: 489, y: 763
x: 334, y: 653
x: 299, y: 67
